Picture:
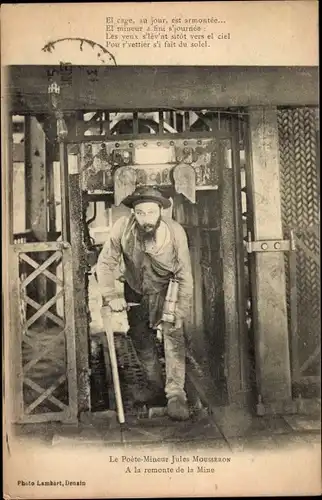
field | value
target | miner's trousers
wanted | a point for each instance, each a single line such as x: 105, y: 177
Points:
x: 143, y: 338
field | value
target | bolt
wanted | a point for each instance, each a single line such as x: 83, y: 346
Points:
x: 277, y: 245
x: 117, y: 145
x: 264, y: 246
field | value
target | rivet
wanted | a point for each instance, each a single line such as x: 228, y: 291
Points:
x: 277, y: 245
x: 159, y: 143
x: 199, y: 142
x: 185, y: 142
x: 117, y: 145
x: 264, y: 246
x: 171, y: 143
x: 131, y: 145
x: 145, y: 144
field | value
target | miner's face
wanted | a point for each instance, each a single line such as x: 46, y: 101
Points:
x: 148, y: 216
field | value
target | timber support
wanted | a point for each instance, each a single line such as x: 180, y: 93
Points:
x: 268, y: 273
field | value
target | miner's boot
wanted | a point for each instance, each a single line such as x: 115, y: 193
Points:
x: 178, y: 408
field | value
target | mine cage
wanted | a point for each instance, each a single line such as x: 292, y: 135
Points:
x: 243, y: 180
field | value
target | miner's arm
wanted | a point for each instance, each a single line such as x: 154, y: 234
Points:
x: 108, y: 264
x: 183, y: 275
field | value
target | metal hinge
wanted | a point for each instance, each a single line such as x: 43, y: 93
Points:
x: 270, y: 245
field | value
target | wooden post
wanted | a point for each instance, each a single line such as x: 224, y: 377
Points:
x: 10, y: 307
x: 36, y: 194
x: 233, y: 367
x: 79, y: 280
x: 50, y: 185
x: 36, y: 186
x: 268, y: 273
x: 236, y: 366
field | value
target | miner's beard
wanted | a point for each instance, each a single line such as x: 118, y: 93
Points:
x: 148, y: 231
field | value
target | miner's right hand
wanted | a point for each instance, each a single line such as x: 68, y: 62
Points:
x: 117, y: 305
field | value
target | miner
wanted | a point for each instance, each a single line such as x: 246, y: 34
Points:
x: 146, y: 251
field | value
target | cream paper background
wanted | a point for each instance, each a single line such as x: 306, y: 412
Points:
x: 262, y: 33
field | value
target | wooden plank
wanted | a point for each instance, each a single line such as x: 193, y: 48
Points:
x: 45, y: 271
x: 173, y: 87
x: 228, y: 245
x: 79, y: 293
x: 64, y: 190
x: 268, y: 270
x: 50, y: 128
x: 44, y: 308
x: 36, y: 194
x: 44, y: 394
x: 8, y: 171
x: 15, y: 341
x: 60, y: 416
x: 70, y: 332
x: 39, y: 269
x: 50, y: 315
x: 241, y: 340
x: 36, y: 179
x: 38, y: 246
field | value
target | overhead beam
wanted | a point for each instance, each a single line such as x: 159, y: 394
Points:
x: 146, y: 87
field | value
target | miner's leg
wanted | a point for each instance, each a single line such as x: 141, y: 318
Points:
x: 174, y: 349
x: 143, y: 340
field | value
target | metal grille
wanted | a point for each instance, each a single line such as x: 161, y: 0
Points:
x: 133, y: 380
x: 300, y: 212
x: 45, y: 371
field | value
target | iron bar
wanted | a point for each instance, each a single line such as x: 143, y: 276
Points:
x: 222, y: 134
x: 161, y: 122
x: 135, y: 123
x: 186, y: 121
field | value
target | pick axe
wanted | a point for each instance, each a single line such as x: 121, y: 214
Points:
x: 107, y: 315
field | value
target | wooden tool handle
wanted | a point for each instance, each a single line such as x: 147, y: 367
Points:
x: 115, y: 374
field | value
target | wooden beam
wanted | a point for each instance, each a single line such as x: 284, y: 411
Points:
x: 36, y: 185
x: 36, y: 195
x: 268, y: 273
x: 129, y: 87
x: 233, y: 361
x: 79, y: 291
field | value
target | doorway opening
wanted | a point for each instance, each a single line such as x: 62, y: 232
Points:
x: 219, y: 327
